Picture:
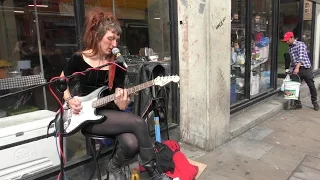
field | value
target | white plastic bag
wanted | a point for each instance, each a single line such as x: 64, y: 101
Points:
x: 285, y: 79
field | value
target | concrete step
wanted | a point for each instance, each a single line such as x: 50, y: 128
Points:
x: 250, y: 117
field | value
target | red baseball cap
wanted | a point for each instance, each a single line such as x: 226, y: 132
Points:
x: 287, y: 36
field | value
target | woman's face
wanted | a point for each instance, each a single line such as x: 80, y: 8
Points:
x: 109, y: 41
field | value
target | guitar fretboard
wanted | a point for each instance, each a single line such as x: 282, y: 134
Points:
x: 103, y: 101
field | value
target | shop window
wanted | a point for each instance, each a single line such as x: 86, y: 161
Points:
x: 37, y: 41
x: 145, y: 39
x: 261, y: 46
x: 288, y: 21
x: 257, y: 77
x: 36, y: 38
x: 238, y: 56
x: 307, y: 25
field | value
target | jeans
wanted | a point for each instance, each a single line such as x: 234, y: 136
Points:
x: 307, y: 76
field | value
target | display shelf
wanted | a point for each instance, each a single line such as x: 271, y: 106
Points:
x: 258, y: 63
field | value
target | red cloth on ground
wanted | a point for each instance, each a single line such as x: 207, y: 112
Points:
x: 183, y: 169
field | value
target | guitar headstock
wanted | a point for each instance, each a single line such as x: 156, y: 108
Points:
x: 163, y: 80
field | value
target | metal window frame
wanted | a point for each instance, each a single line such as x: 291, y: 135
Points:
x: 248, y: 39
x: 79, y: 16
x: 173, y: 13
x: 273, y: 76
x: 275, y: 40
x: 313, y: 28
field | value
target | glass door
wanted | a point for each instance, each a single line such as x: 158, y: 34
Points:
x: 261, y: 46
x: 288, y: 21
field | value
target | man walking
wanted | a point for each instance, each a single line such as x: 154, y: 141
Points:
x: 301, y: 65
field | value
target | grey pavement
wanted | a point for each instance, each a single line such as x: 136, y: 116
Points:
x: 283, y: 147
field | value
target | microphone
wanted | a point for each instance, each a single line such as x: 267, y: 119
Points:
x: 116, y: 52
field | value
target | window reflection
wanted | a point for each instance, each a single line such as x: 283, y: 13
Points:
x: 288, y: 21
x: 37, y: 41
x: 145, y: 38
x: 261, y: 46
x: 38, y: 37
x: 238, y: 48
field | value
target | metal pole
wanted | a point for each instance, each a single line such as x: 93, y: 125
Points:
x: 5, y: 34
x: 114, y: 7
x: 40, y: 53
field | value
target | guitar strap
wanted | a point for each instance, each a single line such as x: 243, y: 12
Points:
x: 112, y: 72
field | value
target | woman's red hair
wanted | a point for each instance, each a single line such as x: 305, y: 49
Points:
x: 97, y: 23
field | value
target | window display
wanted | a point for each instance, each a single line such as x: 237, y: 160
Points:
x: 261, y: 46
x: 238, y: 56
x: 246, y: 83
x: 38, y: 37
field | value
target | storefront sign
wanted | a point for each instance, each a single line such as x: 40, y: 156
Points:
x: 307, y: 10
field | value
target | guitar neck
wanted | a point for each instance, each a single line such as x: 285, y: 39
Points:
x: 105, y: 100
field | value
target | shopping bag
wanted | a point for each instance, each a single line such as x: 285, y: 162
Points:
x: 285, y: 79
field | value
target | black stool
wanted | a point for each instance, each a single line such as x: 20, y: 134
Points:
x: 95, y: 154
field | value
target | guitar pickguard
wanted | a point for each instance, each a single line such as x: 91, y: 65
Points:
x: 74, y: 122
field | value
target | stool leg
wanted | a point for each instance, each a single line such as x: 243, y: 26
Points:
x: 114, y: 149
x: 112, y: 154
x: 167, y: 124
x: 93, y: 154
x: 95, y: 157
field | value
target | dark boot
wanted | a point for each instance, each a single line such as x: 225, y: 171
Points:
x: 147, y: 158
x: 114, y: 165
x: 315, y: 105
x: 296, y: 105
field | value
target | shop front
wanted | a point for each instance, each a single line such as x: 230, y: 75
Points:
x: 258, y: 57
x: 37, y: 38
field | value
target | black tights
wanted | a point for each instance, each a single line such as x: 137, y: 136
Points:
x: 130, y: 131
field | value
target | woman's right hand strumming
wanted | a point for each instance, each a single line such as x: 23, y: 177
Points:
x: 75, y: 105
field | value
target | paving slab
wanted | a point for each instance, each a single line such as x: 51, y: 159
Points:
x: 207, y: 175
x: 312, y: 162
x: 312, y: 133
x: 191, y: 152
x: 248, y: 147
x: 306, y: 173
x: 287, y: 123
x: 238, y: 167
x: 283, y: 158
x: 257, y: 133
x: 294, y: 142
x: 294, y: 178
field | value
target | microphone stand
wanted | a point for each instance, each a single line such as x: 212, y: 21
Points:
x: 61, y: 86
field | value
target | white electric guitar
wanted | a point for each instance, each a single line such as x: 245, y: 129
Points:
x: 74, y: 122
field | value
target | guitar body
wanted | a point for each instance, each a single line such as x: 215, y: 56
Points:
x: 74, y: 122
